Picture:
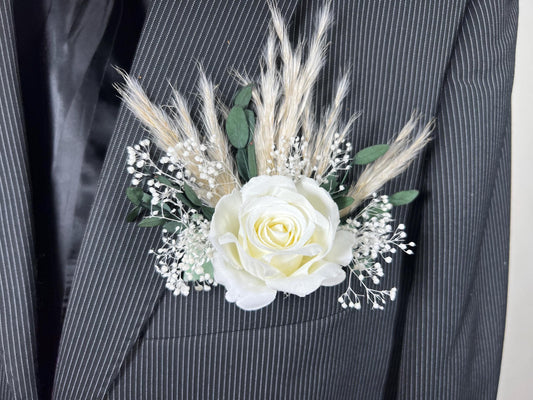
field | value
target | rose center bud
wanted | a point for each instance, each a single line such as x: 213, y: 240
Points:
x: 276, y: 232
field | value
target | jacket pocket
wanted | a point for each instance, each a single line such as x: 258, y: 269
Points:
x: 203, y: 313
x: 314, y: 359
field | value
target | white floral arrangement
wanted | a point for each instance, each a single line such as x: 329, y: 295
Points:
x: 261, y: 197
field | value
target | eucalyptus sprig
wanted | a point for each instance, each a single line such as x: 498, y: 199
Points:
x: 240, y: 126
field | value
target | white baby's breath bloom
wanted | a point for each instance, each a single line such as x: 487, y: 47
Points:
x: 277, y: 235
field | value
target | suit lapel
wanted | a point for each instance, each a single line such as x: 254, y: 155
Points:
x: 17, y: 271
x: 116, y: 289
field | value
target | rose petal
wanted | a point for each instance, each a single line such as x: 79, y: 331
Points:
x: 264, y: 185
x: 341, y: 250
x: 320, y: 199
x: 230, y: 246
x: 248, y: 292
x: 225, y: 217
x: 327, y: 274
x: 333, y: 274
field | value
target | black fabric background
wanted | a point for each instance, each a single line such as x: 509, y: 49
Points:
x: 66, y: 51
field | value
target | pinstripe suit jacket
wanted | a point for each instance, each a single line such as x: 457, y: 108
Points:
x: 125, y: 337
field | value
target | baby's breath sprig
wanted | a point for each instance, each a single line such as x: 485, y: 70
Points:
x: 185, y: 255
x: 162, y: 189
x: 376, y: 242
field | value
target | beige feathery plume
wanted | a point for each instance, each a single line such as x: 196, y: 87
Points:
x: 283, y: 96
x: 217, y: 142
x: 159, y: 124
x: 329, y: 131
x: 309, y: 127
x: 177, y: 131
x: 191, y: 151
x: 265, y: 96
x: 298, y: 78
x: 179, y: 110
x: 287, y: 123
x: 400, y: 155
x: 218, y: 145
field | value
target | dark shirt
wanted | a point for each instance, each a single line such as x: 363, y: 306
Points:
x: 67, y: 51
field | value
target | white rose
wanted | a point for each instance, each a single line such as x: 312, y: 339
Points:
x: 277, y: 235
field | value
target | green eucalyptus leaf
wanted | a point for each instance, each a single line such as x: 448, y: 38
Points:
x: 191, y: 195
x: 133, y: 214
x: 134, y: 194
x: 341, y: 193
x: 165, y: 181
x: 243, y: 97
x: 237, y: 128
x: 331, y: 184
x: 171, y: 226
x: 252, y: 162
x: 207, y: 212
x: 376, y: 212
x: 242, y: 164
x: 404, y: 197
x: 166, y: 210
x: 184, y: 200
x: 146, y: 200
x: 250, y: 118
x: 208, y: 269
x: 146, y: 207
x: 370, y: 154
x: 150, y: 222
x: 343, y: 201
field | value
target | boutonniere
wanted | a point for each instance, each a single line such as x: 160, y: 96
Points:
x: 262, y: 197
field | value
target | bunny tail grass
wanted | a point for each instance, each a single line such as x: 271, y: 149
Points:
x: 400, y: 155
x: 156, y: 121
x: 176, y: 134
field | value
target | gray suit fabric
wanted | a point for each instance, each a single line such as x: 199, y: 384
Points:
x: 126, y: 337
